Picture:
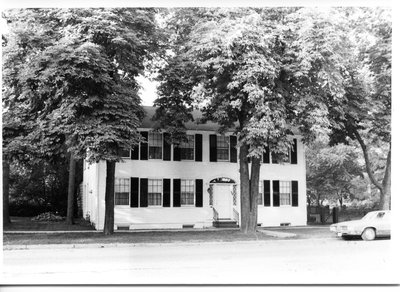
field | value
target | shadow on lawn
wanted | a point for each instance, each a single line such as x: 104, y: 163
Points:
x: 26, y: 224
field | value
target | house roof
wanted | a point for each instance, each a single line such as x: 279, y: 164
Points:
x: 150, y: 111
x: 195, y: 125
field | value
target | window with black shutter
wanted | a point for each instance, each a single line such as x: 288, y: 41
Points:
x: 176, y: 192
x: 198, y: 156
x: 213, y: 148
x: 144, y: 146
x: 166, y: 192
x: 143, y: 192
x: 232, y: 148
x: 267, y: 193
x: 295, y: 193
x: 199, y: 193
x: 293, y: 152
x: 275, y: 193
x: 166, y: 147
x: 134, y: 192
x: 266, y: 155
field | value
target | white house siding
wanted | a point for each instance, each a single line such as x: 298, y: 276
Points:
x: 199, y: 217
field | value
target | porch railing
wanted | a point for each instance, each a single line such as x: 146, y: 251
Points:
x: 235, y: 215
x: 215, y: 214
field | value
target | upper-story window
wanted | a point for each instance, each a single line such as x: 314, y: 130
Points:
x: 155, y: 145
x: 187, y: 148
x: 222, y: 148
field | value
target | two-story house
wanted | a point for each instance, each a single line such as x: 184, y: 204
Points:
x: 193, y: 185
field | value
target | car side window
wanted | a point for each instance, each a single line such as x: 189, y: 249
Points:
x: 380, y: 215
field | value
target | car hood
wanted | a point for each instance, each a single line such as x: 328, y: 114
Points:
x: 349, y: 223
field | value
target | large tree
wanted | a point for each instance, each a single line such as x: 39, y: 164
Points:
x: 245, y: 70
x: 81, y: 84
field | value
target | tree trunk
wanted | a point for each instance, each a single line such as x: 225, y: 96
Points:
x: 248, y: 191
x: 244, y: 189
x: 71, y: 190
x: 254, y: 193
x: 384, y: 202
x: 6, y: 190
x: 384, y: 188
x: 109, y: 199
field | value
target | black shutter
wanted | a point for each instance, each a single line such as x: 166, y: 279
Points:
x: 134, y: 192
x: 232, y: 148
x: 198, y: 147
x: 199, y: 193
x: 275, y: 193
x: 144, y: 148
x: 266, y: 155
x: 135, y: 152
x: 166, y: 147
x: 274, y: 157
x: 177, y: 192
x: 166, y: 192
x: 293, y: 152
x: 267, y: 193
x: 295, y: 193
x: 213, y: 148
x: 177, y: 153
x: 143, y: 192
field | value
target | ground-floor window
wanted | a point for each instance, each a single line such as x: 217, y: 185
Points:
x: 284, y: 193
x: 187, y: 192
x: 154, y: 196
x: 121, y: 190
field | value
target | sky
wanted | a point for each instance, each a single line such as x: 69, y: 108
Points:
x: 148, y: 91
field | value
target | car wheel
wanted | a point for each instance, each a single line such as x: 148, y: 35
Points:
x: 368, y: 234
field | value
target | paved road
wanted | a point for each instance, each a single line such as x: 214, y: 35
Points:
x: 307, y: 261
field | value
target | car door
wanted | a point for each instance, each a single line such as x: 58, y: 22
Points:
x: 382, y: 224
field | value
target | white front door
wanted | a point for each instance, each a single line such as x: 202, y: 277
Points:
x: 222, y: 200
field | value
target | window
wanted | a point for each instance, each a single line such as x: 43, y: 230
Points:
x: 154, y: 196
x: 222, y: 148
x: 122, y: 188
x: 187, y: 148
x: 155, y: 145
x: 260, y: 193
x: 187, y: 192
x: 126, y: 153
x: 284, y: 193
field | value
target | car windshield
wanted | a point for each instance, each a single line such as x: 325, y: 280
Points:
x: 373, y: 215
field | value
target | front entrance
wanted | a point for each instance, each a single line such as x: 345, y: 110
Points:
x: 222, y: 202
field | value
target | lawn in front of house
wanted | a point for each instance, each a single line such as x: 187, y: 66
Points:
x: 131, y: 237
x: 26, y: 224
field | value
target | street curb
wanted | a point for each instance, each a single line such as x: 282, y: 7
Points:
x: 278, y: 234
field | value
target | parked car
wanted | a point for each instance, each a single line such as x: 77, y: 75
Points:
x: 373, y: 224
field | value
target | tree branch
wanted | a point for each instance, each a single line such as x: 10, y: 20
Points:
x: 367, y: 161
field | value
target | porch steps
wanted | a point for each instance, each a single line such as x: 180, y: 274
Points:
x: 225, y: 223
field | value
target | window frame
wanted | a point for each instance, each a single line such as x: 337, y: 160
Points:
x: 193, y: 181
x: 227, y: 141
x: 129, y: 191
x: 148, y: 192
x: 194, y: 146
x: 289, y: 186
x: 151, y: 133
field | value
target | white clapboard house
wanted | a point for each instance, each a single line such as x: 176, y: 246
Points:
x: 195, y: 185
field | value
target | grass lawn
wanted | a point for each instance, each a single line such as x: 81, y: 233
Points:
x: 131, y: 237
x: 26, y: 224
